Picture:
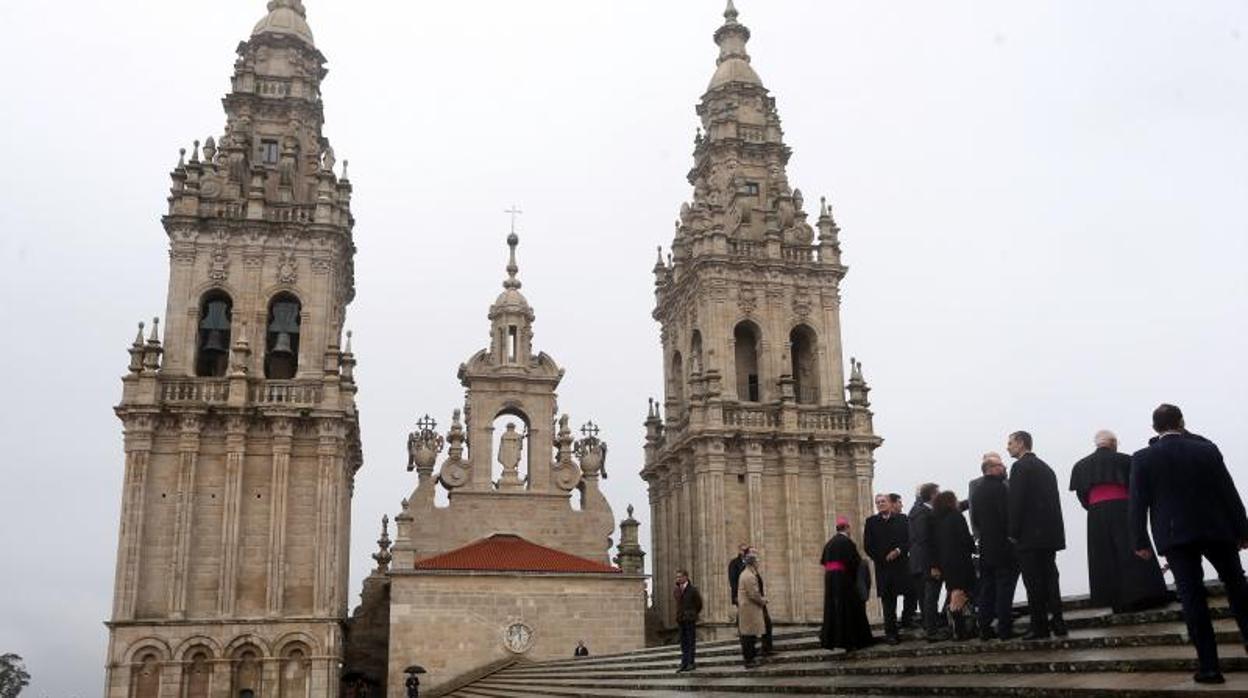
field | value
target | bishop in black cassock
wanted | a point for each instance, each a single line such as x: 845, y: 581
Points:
x: 1118, y: 578
x: 844, y: 610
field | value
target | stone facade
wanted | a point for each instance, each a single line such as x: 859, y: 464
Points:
x: 759, y: 442
x: 473, y: 610
x: 428, y: 580
x: 241, y: 434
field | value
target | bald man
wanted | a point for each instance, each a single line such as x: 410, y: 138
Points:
x: 1117, y: 577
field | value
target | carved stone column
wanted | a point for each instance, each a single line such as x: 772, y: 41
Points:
x: 658, y: 544
x: 793, y: 532
x: 282, y: 434
x: 138, y: 444
x: 714, y: 533
x: 685, y: 515
x: 188, y: 455
x: 235, y: 451
x: 827, y: 481
x: 328, y: 507
x: 754, y: 492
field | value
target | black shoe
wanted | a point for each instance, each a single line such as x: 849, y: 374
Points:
x: 1034, y: 635
x: 682, y: 670
x: 751, y: 665
x: 691, y: 667
x: 1209, y: 677
x: 1058, y: 625
x: 892, y: 639
x: 1006, y: 635
x: 987, y: 634
x: 938, y: 636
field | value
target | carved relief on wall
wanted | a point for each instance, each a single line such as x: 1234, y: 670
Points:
x: 287, y: 268
x: 219, y: 268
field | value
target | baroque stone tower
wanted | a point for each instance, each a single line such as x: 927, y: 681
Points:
x: 759, y: 442
x: 241, y: 433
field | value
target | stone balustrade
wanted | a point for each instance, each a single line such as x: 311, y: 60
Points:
x: 216, y: 391
x: 284, y: 393
x: 199, y: 390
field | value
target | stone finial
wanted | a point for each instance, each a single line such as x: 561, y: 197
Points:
x: 629, y: 509
x: 730, y: 13
x: 383, y: 555
x: 210, y: 149
x: 181, y: 157
x: 296, y: 5
x: 195, y: 152
x: 138, y: 338
x: 348, y: 349
x: 155, y: 336
x: 345, y: 165
x: 512, y: 283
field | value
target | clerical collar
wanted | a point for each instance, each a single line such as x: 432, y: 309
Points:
x: 1164, y: 434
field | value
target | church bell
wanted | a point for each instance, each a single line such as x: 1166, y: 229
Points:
x: 216, y: 325
x: 284, y: 325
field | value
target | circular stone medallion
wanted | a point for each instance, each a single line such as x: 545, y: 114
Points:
x: 518, y: 638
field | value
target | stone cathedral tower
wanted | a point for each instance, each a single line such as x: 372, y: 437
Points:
x: 759, y: 442
x: 241, y: 433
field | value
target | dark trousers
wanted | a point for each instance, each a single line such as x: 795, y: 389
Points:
x: 1039, y: 569
x: 889, y: 602
x: 929, y: 603
x: 767, y: 649
x: 748, y: 650
x: 909, y: 604
x: 688, y: 643
x: 1189, y: 578
x: 996, y: 596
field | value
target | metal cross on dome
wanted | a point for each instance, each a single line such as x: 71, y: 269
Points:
x: 514, y: 211
x: 426, y: 424
x: 590, y: 430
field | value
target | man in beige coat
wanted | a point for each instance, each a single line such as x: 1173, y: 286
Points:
x: 752, y: 620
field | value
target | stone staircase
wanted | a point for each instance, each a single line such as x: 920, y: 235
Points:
x: 1136, y: 654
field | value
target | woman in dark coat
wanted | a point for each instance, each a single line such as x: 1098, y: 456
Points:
x: 953, y: 546
x: 844, y: 611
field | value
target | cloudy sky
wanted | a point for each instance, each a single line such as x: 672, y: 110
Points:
x: 1042, y: 206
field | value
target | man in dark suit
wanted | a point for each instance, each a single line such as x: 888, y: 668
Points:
x: 921, y: 561
x: 735, y: 565
x: 688, y: 608
x: 886, y: 540
x: 1180, y: 483
x: 1038, y: 532
x: 909, y: 603
x: 998, y: 568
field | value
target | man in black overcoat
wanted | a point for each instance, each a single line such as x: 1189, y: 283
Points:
x: 1038, y: 532
x: 1117, y: 577
x: 1181, y: 485
x: 998, y: 568
x: 735, y: 565
x: 886, y: 540
x: 688, y: 608
x: 921, y: 561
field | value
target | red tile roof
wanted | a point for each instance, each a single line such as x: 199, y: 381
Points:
x: 503, y: 552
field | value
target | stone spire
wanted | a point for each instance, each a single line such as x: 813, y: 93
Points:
x: 511, y: 318
x: 383, y: 556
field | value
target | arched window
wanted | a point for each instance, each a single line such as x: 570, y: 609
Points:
x: 281, y: 354
x: 746, y: 338
x: 246, y: 673
x: 676, y: 379
x: 695, y: 353
x: 147, y: 682
x: 294, y: 681
x: 804, y: 350
x: 198, y: 675
x: 216, y: 313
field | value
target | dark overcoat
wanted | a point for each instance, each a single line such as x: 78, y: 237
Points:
x: 880, y: 537
x: 845, y: 621
x: 1035, y: 506
x: 1180, y: 483
x: 953, y: 547
x: 990, y: 517
x: 688, y: 603
x: 920, y: 539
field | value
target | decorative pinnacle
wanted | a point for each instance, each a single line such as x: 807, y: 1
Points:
x: 155, y: 337
x: 348, y: 351
x: 630, y: 511
x: 730, y: 13
x: 296, y: 5
x: 138, y: 338
x: 512, y: 283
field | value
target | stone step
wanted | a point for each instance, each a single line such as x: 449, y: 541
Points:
x: 1128, y: 659
x: 1083, y: 620
x: 1088, y: 685
x: 810, y: 651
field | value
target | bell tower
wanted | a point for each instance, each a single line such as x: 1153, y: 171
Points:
x: 755, y: 441
x: 240, y: 428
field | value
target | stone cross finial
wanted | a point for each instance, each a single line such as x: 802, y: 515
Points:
x: 730, y: 13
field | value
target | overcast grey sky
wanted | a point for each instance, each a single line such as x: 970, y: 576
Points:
x: 1042, y: 207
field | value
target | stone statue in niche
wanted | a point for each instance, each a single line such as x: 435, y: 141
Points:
x: 509, y: 446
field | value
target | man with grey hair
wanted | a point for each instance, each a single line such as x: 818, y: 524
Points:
x: 1118, y: 578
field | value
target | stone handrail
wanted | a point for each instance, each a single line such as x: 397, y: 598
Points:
x: 223, y: 209
x: 747, y: 248
x: 284, y: 393
x: 751, y: 417
x: 800, y: 253
x: 286, y: 213
x: 823, y: 419
x: 197, y: 390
